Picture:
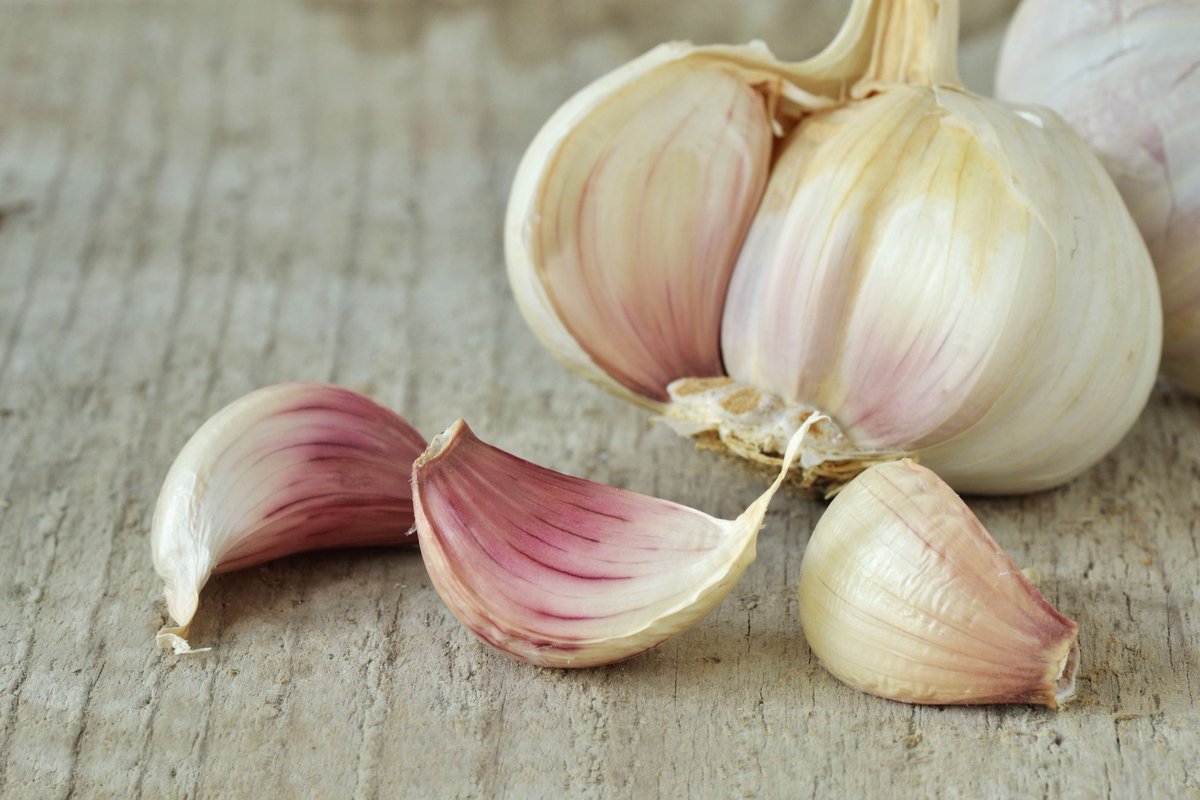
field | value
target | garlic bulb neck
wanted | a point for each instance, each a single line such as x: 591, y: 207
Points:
x: 915, y: 42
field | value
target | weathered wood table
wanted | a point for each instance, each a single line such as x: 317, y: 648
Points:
x: 200, y: 198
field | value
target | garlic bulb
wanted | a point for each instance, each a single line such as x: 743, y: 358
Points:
x: 903, y: 594
x: 1126, y: 75
x: 563, y: 572
x: 737, y: 242
x: 287, y: 468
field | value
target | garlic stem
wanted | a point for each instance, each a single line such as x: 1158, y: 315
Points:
x: 285, y: 469
x: 915, y: 42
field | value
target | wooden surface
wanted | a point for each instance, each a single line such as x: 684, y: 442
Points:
x: 197, y: 199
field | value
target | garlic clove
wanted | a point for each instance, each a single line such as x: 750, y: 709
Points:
x: 285, y: 469
x: 904, y: 595
x: 643, y: 299
x: 563, y: 572
x: 808, y: 315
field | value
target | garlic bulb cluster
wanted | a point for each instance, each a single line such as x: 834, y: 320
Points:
x: 1126, y: 75
x: 737, y: 243
x: 903, y: 594
x: 285, y: 469
x: 563, y: 572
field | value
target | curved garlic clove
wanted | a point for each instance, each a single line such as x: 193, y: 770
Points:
x: 645, y: 300
x: 563, y: 572
x: 1124, y: 75
x: 941, y: 274
x: 285, y: 469
x: 903, y: 594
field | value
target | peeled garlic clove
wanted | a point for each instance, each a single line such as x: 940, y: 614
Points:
x: 1124, y: 75
x: 285, y: 469
x: 904, y: 595
x: 941, y: 274
x: 563, y: 572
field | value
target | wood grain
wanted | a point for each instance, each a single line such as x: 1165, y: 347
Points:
x: 200, y: 198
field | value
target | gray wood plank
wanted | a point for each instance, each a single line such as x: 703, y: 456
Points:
x: 200, y: 198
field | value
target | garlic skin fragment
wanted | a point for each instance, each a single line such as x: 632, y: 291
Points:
x: 559, y: 571
x: 905, y: 595
x: 941, y: 274
x: 285, y: 469
x: 1126, y: 75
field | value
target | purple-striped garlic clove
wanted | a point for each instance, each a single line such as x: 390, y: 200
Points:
x: 905, y: 595
x: 1126, y: 75
x: 644, y: 299
x: 563, y: 572
x: 285, y: 469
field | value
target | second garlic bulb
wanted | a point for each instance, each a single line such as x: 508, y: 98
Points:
x: 1126, y: 75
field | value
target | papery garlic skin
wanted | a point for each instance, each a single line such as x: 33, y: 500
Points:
x: 1126, y: 75
x: 941, y: 274
x: 563, y: 572
x: 285, y: 469
x: 905, y: 595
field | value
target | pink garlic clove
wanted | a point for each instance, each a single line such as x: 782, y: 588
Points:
x: 285, y: 469
x: 563, y: 572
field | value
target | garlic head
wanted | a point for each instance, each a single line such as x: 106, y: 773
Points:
x: 737, y: 242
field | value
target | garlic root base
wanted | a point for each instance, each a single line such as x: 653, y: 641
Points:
x: 1064, y: 684
x: 172, y: 638
x: 723, y: 414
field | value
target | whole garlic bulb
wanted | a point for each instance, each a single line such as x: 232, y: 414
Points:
x: 738, y: 242
x: 1126, y: 75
